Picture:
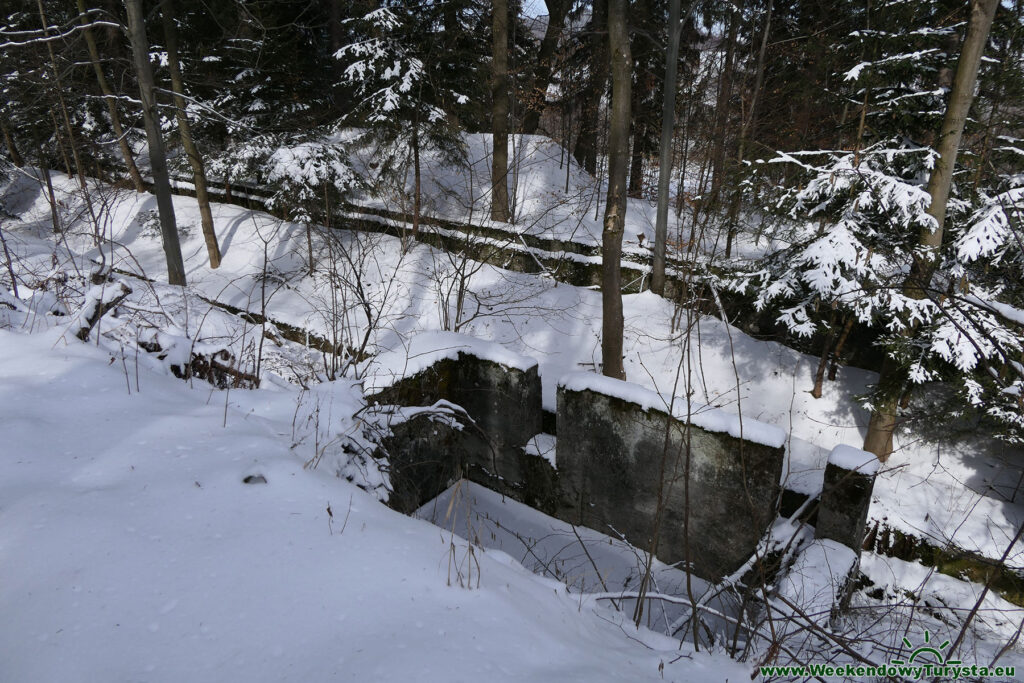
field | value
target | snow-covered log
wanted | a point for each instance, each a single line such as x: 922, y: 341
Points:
x: 98, y: 301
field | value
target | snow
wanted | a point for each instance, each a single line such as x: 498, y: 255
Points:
x: 426, y: 348
x: 816, y: 579
x: 97, y: 297
x: 543, y: 446
x: 552, y: 195
x: 597, y: 568
x: 711, y: 419
x: 922, y: 492
x: 70, y: 441
x: 929, y: 588
x: 131, y: 549
x: 854, y: 460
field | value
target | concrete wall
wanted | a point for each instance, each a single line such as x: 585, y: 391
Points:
x: 846, y: 496
x: 504, y: 407
x: 618, y: 459
x: 613, y: 464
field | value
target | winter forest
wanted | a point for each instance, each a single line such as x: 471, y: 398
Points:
x: 522, y: 340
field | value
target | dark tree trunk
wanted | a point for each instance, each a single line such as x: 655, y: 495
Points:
x: 157, y: 157
x: 639, y: 151
x: 51, y: 198
x: 615, y: 206
x: 722, y: 111
x: 585, y: 151
x: 837, y: 352
x: 58, y: 87
x: 668, y: 118
x: 12, y: 149
x: 111, y: 101
x: 891, y: 379
x: 195, y: 159
x: 335, y: 15
x: 748, y: 125
x: 557, y: 11
x: 416, y: 178
x: 499, y: 113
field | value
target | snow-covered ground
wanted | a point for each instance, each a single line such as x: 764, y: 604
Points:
x: 131, y: 550
x: 550, y: 195
x: 128, y: 540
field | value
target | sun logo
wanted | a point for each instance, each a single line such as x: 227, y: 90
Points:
x: 928, y: 648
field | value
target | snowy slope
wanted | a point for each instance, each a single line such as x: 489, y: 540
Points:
x: 131, y: 549
x: 551, y: 195
x: 946, y: 492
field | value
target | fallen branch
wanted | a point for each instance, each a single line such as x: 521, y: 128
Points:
x: 98, y: 301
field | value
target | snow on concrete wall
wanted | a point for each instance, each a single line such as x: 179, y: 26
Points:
x: 618, y: 454
x: 846, y: 496
x: 618, y: 457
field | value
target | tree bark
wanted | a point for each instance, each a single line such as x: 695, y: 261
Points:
x: 335, y: 16
x: 111, y: 101
x: 59, y: 90
x: 891, y: 380
x: 157, y: 157
x: 721, y: 111
x: 615, y: 205
x: 668, y: 119
x: 499, y: 112
x: 638, y: 151
x: 12, y: 149
x: 195, y: 159
x: 557, y: 11
x: 51, y: 198
x: 961, y: 96
x: 585, y: 151
x: 416, y: 177
x: 748, y: 125
x: 826, y: 348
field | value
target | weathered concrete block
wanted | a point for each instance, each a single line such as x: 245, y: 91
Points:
x: 620, y: 457
x: 500, y: 392
x: 846, y: 496
x: 425, y: 457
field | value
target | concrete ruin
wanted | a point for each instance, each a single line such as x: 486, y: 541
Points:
x: 623, y: 456
x: 846, y: 496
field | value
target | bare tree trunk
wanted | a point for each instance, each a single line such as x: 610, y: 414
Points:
x: 195, y: 159
x: 51, y: 198
x: 837, y: 351
x: 826, y: 347
x: 79, y: 166
x: 585, y: 151
x: 59, y: 138
x: 12, y: 149
x: 335, y: 16
x: 615, y: 205
x: 59, y: 89
x: 721, y: 110
x: 111, y: 101
x: 557, y: 11
x: 748, y: 125
x: 961, y: 96
x: 638, y: 151
x: 157, y: 157
x: 891, y: 379
x: 416, y: 177
x: 668, y: 119
x: 499, y: 112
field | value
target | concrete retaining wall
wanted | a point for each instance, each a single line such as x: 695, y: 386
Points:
x: 846, y: 496
x: 619, y: 460
x: 503, y: 406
